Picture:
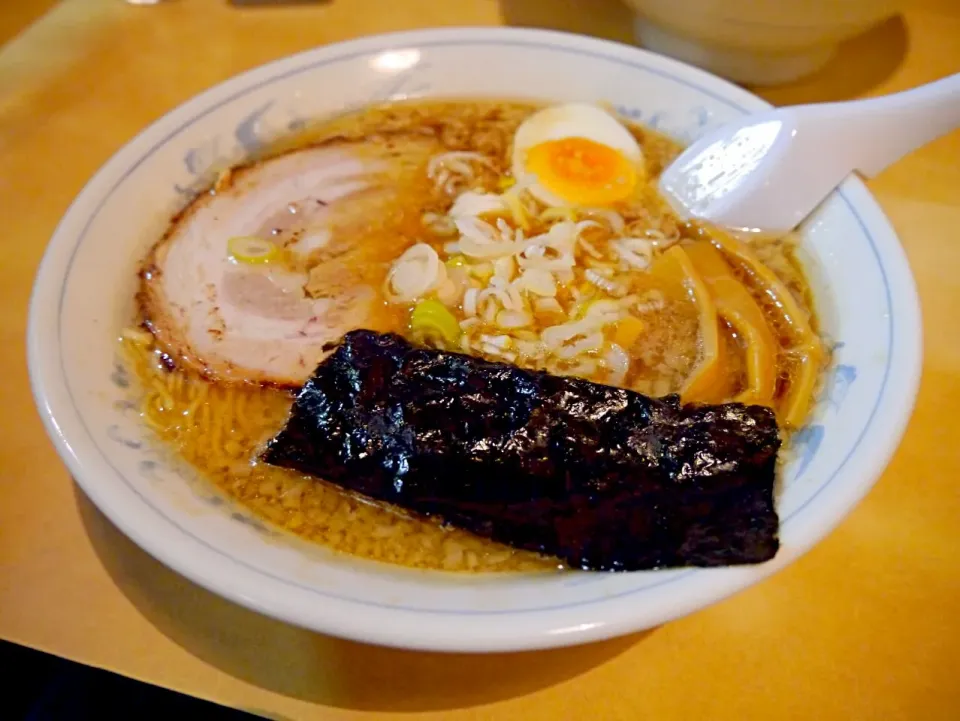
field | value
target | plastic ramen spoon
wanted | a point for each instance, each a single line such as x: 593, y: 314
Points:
x: 766, y: 172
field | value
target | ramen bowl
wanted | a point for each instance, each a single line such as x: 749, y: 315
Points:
x: 867, y: 306
x: 763, y: 42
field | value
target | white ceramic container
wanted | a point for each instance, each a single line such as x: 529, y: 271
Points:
x: 761, y: 42
x: 82, y: 299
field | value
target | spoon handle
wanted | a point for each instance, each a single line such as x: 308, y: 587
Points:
x: 889, y: 127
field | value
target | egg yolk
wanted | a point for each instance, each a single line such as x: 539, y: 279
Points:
x: 582, y: 171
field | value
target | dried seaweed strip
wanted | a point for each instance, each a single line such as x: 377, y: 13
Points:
x: 601, y: 477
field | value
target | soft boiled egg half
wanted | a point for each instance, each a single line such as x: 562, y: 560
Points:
x: 576, y: 155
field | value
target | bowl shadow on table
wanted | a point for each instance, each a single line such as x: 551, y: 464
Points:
x: 608, y: 19
x: 322, y: 669
x: 861, y: 63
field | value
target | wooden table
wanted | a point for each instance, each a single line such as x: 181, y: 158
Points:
x: 864, y: 627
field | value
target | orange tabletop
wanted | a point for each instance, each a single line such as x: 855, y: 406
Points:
x: 866, y: 626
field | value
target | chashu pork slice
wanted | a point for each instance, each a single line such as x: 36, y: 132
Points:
x: 336, y: 213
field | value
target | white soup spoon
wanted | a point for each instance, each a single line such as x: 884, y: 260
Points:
x: 766, y: 172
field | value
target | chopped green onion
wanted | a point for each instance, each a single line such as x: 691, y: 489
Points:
x: 431, y: 317
x: 251, y: 249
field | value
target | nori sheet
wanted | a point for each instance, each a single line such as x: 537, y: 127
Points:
x: 601, y: 477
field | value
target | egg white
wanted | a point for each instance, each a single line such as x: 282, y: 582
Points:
x: 572, y: 120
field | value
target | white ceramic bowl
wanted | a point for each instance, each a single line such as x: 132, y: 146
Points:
x: 761, y: 42
x: 82, y: 298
